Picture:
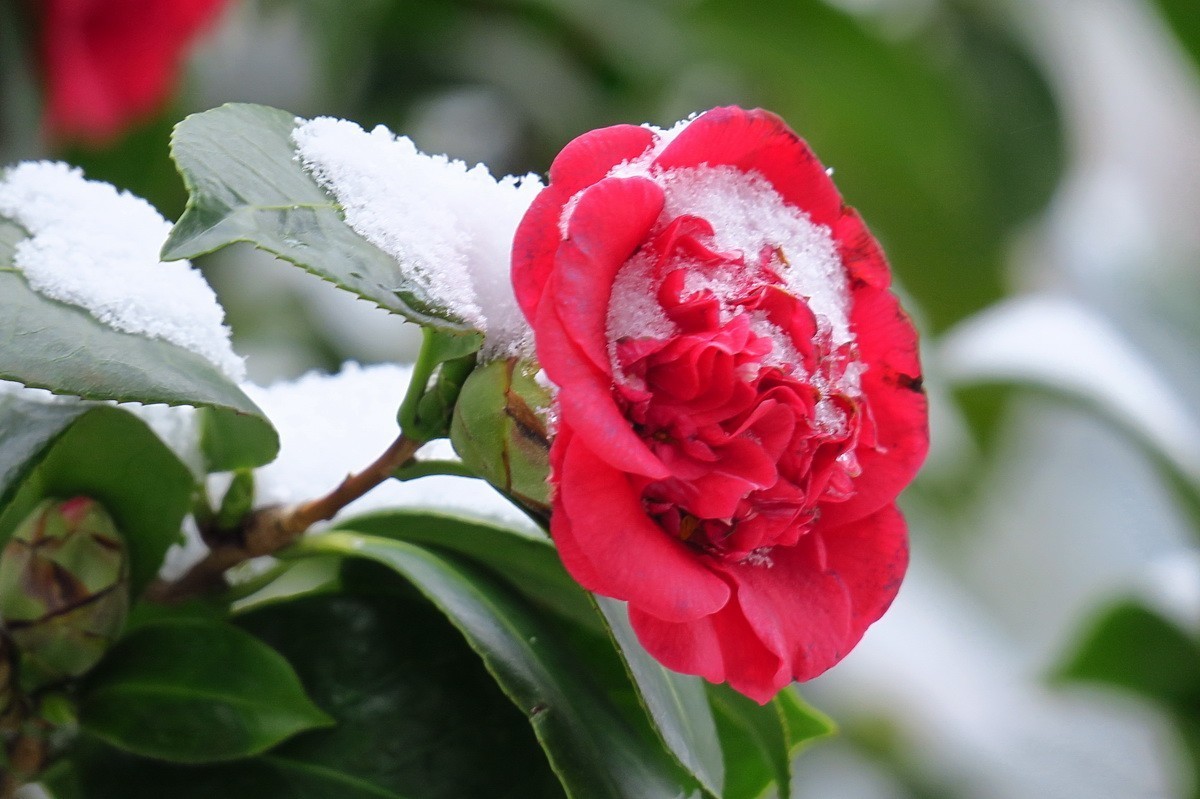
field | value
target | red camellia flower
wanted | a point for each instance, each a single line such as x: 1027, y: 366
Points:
x: 739, y: 394
x: 109, y: 63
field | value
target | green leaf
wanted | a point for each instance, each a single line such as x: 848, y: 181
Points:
x: 528, y: 562
x: 676, y: 702
x: 417, y: 714
x: 593, y: 748
x: 111, y: 456
x: 802, y: 722
x: 64, y: 349
x: 245, y: 184
x: 231, y: 441
x: 1070, y: 351
x: 1132, y: 647
x: 1184, y: 20
x: 761, y: 742
x: 26, y: 429
x: 754, y: 744
x: 101, y: 773
x: 192, y: 691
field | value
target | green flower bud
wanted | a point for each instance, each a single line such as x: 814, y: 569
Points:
x: 64, y: 589
x: 499, y: 430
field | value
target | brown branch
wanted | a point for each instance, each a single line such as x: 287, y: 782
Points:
x: 270, y: 529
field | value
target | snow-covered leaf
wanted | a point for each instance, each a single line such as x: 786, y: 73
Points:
x: 246, y: 185
x: 1059, y: 345
x: 64, y: 349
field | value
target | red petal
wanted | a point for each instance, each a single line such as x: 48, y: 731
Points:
x: 719, y: 648
x: 896, y: 404
x: 590, y: 157
x: 535, y: 244
x: 585, y: 399
x: 757, y: 141
x: 584, y: 161
x: 611, y: 221
x: 816, y: 599
x: 109, y: 62
x: 860, y: 253
x: 610, y: 546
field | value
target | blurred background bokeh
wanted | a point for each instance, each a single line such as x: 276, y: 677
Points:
x: 1032, y: 170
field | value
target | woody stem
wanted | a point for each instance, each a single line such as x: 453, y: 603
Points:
x: 269, y: 529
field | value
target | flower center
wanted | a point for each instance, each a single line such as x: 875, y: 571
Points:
x: 749, y: 397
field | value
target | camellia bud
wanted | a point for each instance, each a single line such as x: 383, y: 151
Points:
x: 499, y: 430
x: 64, y: 589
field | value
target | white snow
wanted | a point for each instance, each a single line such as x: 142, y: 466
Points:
x: 449, y: 226
x: 633, y: 309
x: 749, y: 216
x: 97, y: 248
x: 333, y: 425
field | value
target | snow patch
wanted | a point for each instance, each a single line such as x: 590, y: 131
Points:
x: 449, y: 226
x: 333, y: 425
x: 97, y: 248
x: 749, y: 216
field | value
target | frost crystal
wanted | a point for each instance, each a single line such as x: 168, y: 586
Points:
x: 332, y: 425
x: 449, y: 226
x: 97, y: 248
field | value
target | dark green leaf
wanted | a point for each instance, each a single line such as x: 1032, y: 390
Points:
x: 26, y: 429
x: 101, y: 773
x: 192, y: 691
x: 111, y: 456
x: 530, y: 563
x: 417, y: 714
x: 1132, y: 647
x: 48, y: 344
x: 593, y: 748
x: 754, y: 743
x: 245, y: 184
x: 761, y: 742
x: 676, y: 702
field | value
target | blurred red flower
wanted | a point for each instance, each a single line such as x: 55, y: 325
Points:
x: 739, y: 396
x: 110, y: 63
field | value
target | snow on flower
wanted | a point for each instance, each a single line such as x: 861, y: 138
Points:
x: 97, y: 248
x: 739, y: 394
x: 449, y: 226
